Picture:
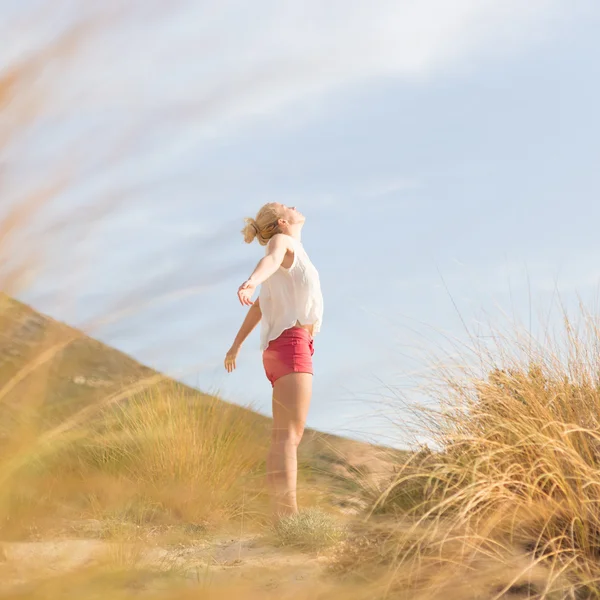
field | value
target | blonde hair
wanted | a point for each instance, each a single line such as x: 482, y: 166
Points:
x: 265, y: 226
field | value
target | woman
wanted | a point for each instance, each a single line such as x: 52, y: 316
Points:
x: 290, y: 306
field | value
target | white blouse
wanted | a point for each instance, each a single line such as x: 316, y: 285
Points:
x: 291, y: 296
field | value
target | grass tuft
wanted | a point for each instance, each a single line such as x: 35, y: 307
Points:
x: 310, y: 529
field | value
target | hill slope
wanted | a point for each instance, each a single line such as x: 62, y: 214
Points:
x: 73, y: 371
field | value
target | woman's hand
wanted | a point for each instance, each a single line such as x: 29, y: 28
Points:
x: 231, y: 357
x: 246, y: 291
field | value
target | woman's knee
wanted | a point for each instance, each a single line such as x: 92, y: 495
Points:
x: 295, y: 437
x: 287, y: 436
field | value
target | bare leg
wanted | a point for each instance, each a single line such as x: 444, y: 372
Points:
x: 291, y: 400
x: 271, y: 467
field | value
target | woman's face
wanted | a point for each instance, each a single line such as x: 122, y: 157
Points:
x: 291, y: 214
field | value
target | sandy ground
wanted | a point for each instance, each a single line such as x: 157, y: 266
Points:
x: 250, y: 560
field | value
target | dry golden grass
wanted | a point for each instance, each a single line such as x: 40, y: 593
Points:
x: 207, y: 455
x: 157, y: 457
x: 509, y: 500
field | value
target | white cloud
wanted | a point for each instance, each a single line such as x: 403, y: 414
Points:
x: 232, y: 59
x: 169, y: 80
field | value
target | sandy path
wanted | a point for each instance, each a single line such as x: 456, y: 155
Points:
x: 249, y: 560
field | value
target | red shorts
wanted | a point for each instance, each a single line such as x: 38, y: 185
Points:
x: 291, y: 352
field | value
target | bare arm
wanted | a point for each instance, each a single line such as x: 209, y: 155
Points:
x: 272, y: 261
x: 276, y: 252
x: 250, y: 322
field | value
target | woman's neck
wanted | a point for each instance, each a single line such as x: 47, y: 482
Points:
x: 296, y: 231
x: 297, y: 235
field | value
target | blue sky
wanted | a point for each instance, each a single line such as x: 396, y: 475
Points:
x: 446, y: 156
